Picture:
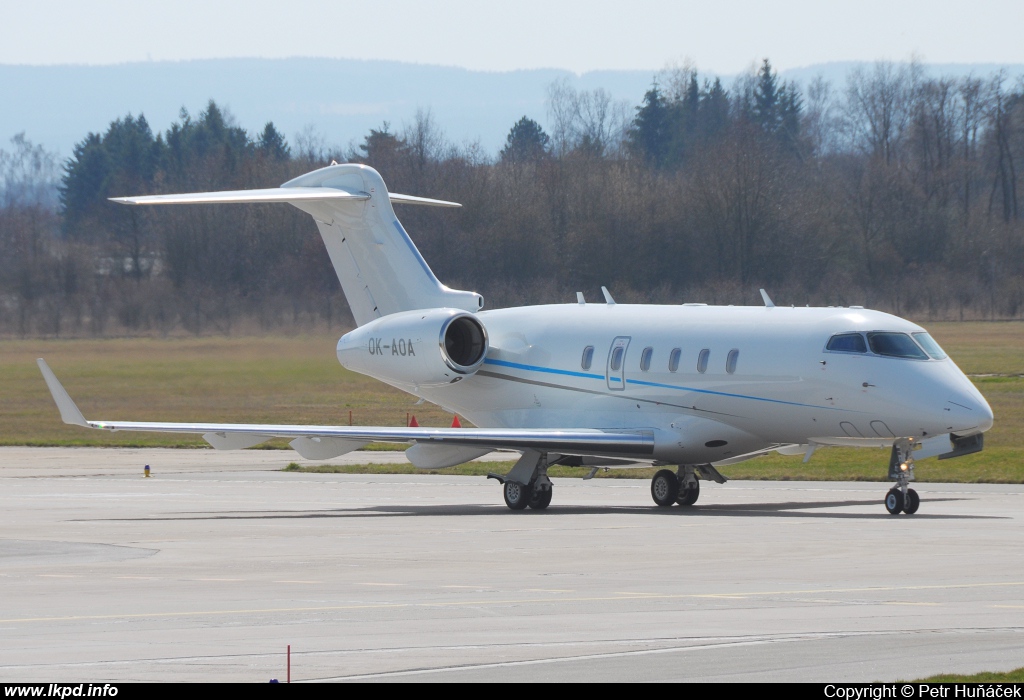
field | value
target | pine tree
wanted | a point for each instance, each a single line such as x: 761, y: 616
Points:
x: 526, y: 142
x: 766, y: 99
x: 272, y: 144
x: 650, y: 134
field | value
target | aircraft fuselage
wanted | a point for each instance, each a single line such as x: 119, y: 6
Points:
x: 711, y: 382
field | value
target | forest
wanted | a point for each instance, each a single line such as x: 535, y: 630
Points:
x: 896, y: 190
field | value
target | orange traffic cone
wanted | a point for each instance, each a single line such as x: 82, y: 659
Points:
x: 414, y: 423
x: 455, y: 421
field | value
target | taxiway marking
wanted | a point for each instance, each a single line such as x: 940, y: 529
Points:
x: 511, y: 601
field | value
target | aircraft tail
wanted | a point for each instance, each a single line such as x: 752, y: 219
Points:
x: 380, y: 269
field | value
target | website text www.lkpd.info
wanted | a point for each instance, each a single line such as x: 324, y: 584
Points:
x: 60, y: 690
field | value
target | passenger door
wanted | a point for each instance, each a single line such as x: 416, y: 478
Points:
x: 615, y: 370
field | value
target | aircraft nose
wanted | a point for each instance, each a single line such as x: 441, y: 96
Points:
x: 967, y: 404
x: 985, y: 411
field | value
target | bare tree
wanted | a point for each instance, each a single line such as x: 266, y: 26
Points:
x: 878, y: 105
x: 589, y: 120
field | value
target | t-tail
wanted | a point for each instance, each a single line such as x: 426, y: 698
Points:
x: 378, y: 265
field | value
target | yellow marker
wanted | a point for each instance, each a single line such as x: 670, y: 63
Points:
x: 145, y: 472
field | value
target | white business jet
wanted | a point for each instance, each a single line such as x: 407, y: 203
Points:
x: 601, y: 385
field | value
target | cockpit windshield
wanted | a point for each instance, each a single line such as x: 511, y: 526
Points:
x: 930, y: 346
x: 891, y: 344
x: 847, y: 342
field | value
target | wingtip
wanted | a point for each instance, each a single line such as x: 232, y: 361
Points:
x: 69, y: 412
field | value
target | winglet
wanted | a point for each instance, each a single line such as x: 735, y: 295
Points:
x: 69, y: 412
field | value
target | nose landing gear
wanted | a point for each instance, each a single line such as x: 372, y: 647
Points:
x: 901, y: 498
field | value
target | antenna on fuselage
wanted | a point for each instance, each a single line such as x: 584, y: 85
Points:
x: 607, y: 295
x: 767, y: 300
x: 580, y: 299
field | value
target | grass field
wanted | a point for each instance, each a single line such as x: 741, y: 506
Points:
x: 1014, y: 676
x: 298, y: 380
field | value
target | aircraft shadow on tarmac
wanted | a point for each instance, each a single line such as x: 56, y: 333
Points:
x: 793, y: 509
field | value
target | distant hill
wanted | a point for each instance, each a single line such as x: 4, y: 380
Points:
x: 342, y: 99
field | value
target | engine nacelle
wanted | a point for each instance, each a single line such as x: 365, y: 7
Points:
x: 427, y: 347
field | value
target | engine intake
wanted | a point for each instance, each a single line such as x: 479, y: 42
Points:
x: 463, y: 343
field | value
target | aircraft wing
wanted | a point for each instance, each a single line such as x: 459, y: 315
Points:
x: 325, y: 442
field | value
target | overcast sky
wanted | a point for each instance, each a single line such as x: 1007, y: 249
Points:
x: 580, y: 35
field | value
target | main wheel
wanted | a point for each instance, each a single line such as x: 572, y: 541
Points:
x: 688, y: 494
x: 539, y: 500
x: 517, y: 496
x: 664, y: 488
x: 913, y: 502
x: 894, y: 502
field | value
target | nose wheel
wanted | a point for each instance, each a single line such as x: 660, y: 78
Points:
x: 894, y: 501
x: 901, y: 498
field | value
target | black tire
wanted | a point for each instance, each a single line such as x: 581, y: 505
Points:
x: 539, y: 500
x: 664, y: 488
x: 517, y: 496
x: 913, y: 502
x: 894, y: 502
x: 688, y: 495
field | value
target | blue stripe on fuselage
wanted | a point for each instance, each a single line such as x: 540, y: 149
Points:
x: 588, y: 375
x: 548, y: 370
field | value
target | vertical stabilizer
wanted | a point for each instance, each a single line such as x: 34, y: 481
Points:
x: 380, y: 269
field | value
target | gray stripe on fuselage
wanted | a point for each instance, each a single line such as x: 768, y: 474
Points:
x: 549, y: 385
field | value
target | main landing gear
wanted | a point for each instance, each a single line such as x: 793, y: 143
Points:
x: 901, y: 498
x: 527, y: 484
x: 681, y: 486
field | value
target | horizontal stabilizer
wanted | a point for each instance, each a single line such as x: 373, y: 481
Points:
x: 277, y: 194
x: 274, y: 194
x: 423, y: 201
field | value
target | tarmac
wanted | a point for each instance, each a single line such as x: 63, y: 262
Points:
x: 209, y: 570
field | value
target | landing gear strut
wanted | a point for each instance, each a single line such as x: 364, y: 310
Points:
x: 689, y: 487
x: 901, y: 498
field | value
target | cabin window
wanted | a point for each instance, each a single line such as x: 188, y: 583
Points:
x: 616, y: 363
x: 645, y: 359
x: 673, y: 359
x: 702, y: 360
x: 930, y: 346
x: 847, y: 342
x: 895, y: 345
x: 730, y: 361
x: 588, y: 357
